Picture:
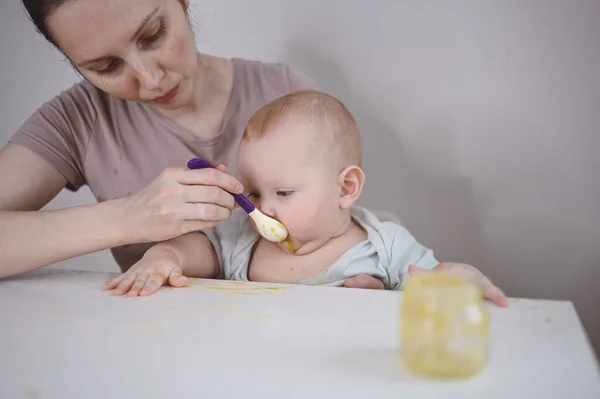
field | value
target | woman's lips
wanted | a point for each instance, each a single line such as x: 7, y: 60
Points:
x: 167, y: 98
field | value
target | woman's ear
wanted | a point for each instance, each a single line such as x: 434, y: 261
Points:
x: 352, y: 180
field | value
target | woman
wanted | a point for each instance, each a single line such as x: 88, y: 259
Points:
x: 149, y: 102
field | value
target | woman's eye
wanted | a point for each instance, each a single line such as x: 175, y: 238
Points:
x: 156, y: 35
x: 282, y: 193
x: 109, y: 68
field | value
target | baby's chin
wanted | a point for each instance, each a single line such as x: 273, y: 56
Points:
x: 295, y: 245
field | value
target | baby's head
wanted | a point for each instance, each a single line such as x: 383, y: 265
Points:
x: 300, y: 159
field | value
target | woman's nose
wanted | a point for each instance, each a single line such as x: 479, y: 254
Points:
x: 149, y: 74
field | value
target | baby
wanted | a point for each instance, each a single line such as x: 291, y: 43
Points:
x: 300, y: 159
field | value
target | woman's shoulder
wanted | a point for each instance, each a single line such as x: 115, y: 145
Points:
x: 79, y: 104
x: 60, y: 129
x: 272, y: 79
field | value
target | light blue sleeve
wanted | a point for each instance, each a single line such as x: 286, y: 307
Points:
x: 225, y: 237
x: 403, y: 250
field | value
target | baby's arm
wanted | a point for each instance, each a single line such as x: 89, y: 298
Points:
x: 404, y: 250
x: 168, y: 262
x: 408, y: 257
x: 471, y: 273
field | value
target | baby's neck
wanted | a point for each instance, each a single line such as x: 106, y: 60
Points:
x: 270, y: 263
x: 345, y: 227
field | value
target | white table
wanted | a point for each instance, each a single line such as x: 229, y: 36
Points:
x: 63, y: 337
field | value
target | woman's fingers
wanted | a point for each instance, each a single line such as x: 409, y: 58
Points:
x: 209, y: 177
x: 205, y: 212
x: 208, y: 195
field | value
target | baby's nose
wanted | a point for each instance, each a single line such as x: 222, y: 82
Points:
x: 266, y: 209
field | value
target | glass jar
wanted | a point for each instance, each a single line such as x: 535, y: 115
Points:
x: 444, y: 326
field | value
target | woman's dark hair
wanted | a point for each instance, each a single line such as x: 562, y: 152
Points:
x: 40, y: 10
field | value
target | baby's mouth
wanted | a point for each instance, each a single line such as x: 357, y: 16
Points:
x: 287, y: 245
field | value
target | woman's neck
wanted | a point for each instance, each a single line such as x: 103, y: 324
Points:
x: 203, y: 115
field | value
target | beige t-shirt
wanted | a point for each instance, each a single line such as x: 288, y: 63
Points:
x: 118, y: 147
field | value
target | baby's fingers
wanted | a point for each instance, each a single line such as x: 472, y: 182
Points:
x: 154, y: 282
x: 495, y: 294
x: 177, y: 279
x: 140, y: 281
x: 490, y: 291
x: 125, y: 284
x: 112, y: 284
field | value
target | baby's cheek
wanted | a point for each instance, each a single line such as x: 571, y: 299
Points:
x: 300, y: 227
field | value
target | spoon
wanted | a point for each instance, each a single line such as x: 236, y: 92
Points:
x: 268, y: 227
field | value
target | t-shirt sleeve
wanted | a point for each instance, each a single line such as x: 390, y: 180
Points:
x: 214, y: 237
x: 228, y: 239
x: 59, y: 132
x: 404, y: 250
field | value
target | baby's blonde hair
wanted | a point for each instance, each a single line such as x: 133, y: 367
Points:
x: 330, y: 120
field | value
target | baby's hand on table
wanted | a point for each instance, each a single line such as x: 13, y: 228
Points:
x: 490, y: 291
x: 158, y: 266
x: 365, y: 281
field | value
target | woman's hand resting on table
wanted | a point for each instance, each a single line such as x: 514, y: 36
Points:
x: 179, y: 201
x: 490, y: 291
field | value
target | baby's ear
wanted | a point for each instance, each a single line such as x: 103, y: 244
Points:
x: 352, y: 180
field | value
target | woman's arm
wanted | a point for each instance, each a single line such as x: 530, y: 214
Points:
x: 177, y: 202
x: 29, y: 238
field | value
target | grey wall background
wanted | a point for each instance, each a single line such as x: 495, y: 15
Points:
x: 481, y: 119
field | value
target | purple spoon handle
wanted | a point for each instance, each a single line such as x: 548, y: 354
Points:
x: 197, y: 163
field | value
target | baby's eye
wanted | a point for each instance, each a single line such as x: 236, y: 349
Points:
x: 284, y: 193
x: 253, y: 195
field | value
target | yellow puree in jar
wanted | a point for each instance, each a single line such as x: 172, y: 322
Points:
x: 444, y: 326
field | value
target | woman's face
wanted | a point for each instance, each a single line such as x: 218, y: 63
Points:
x: 141, y: 50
